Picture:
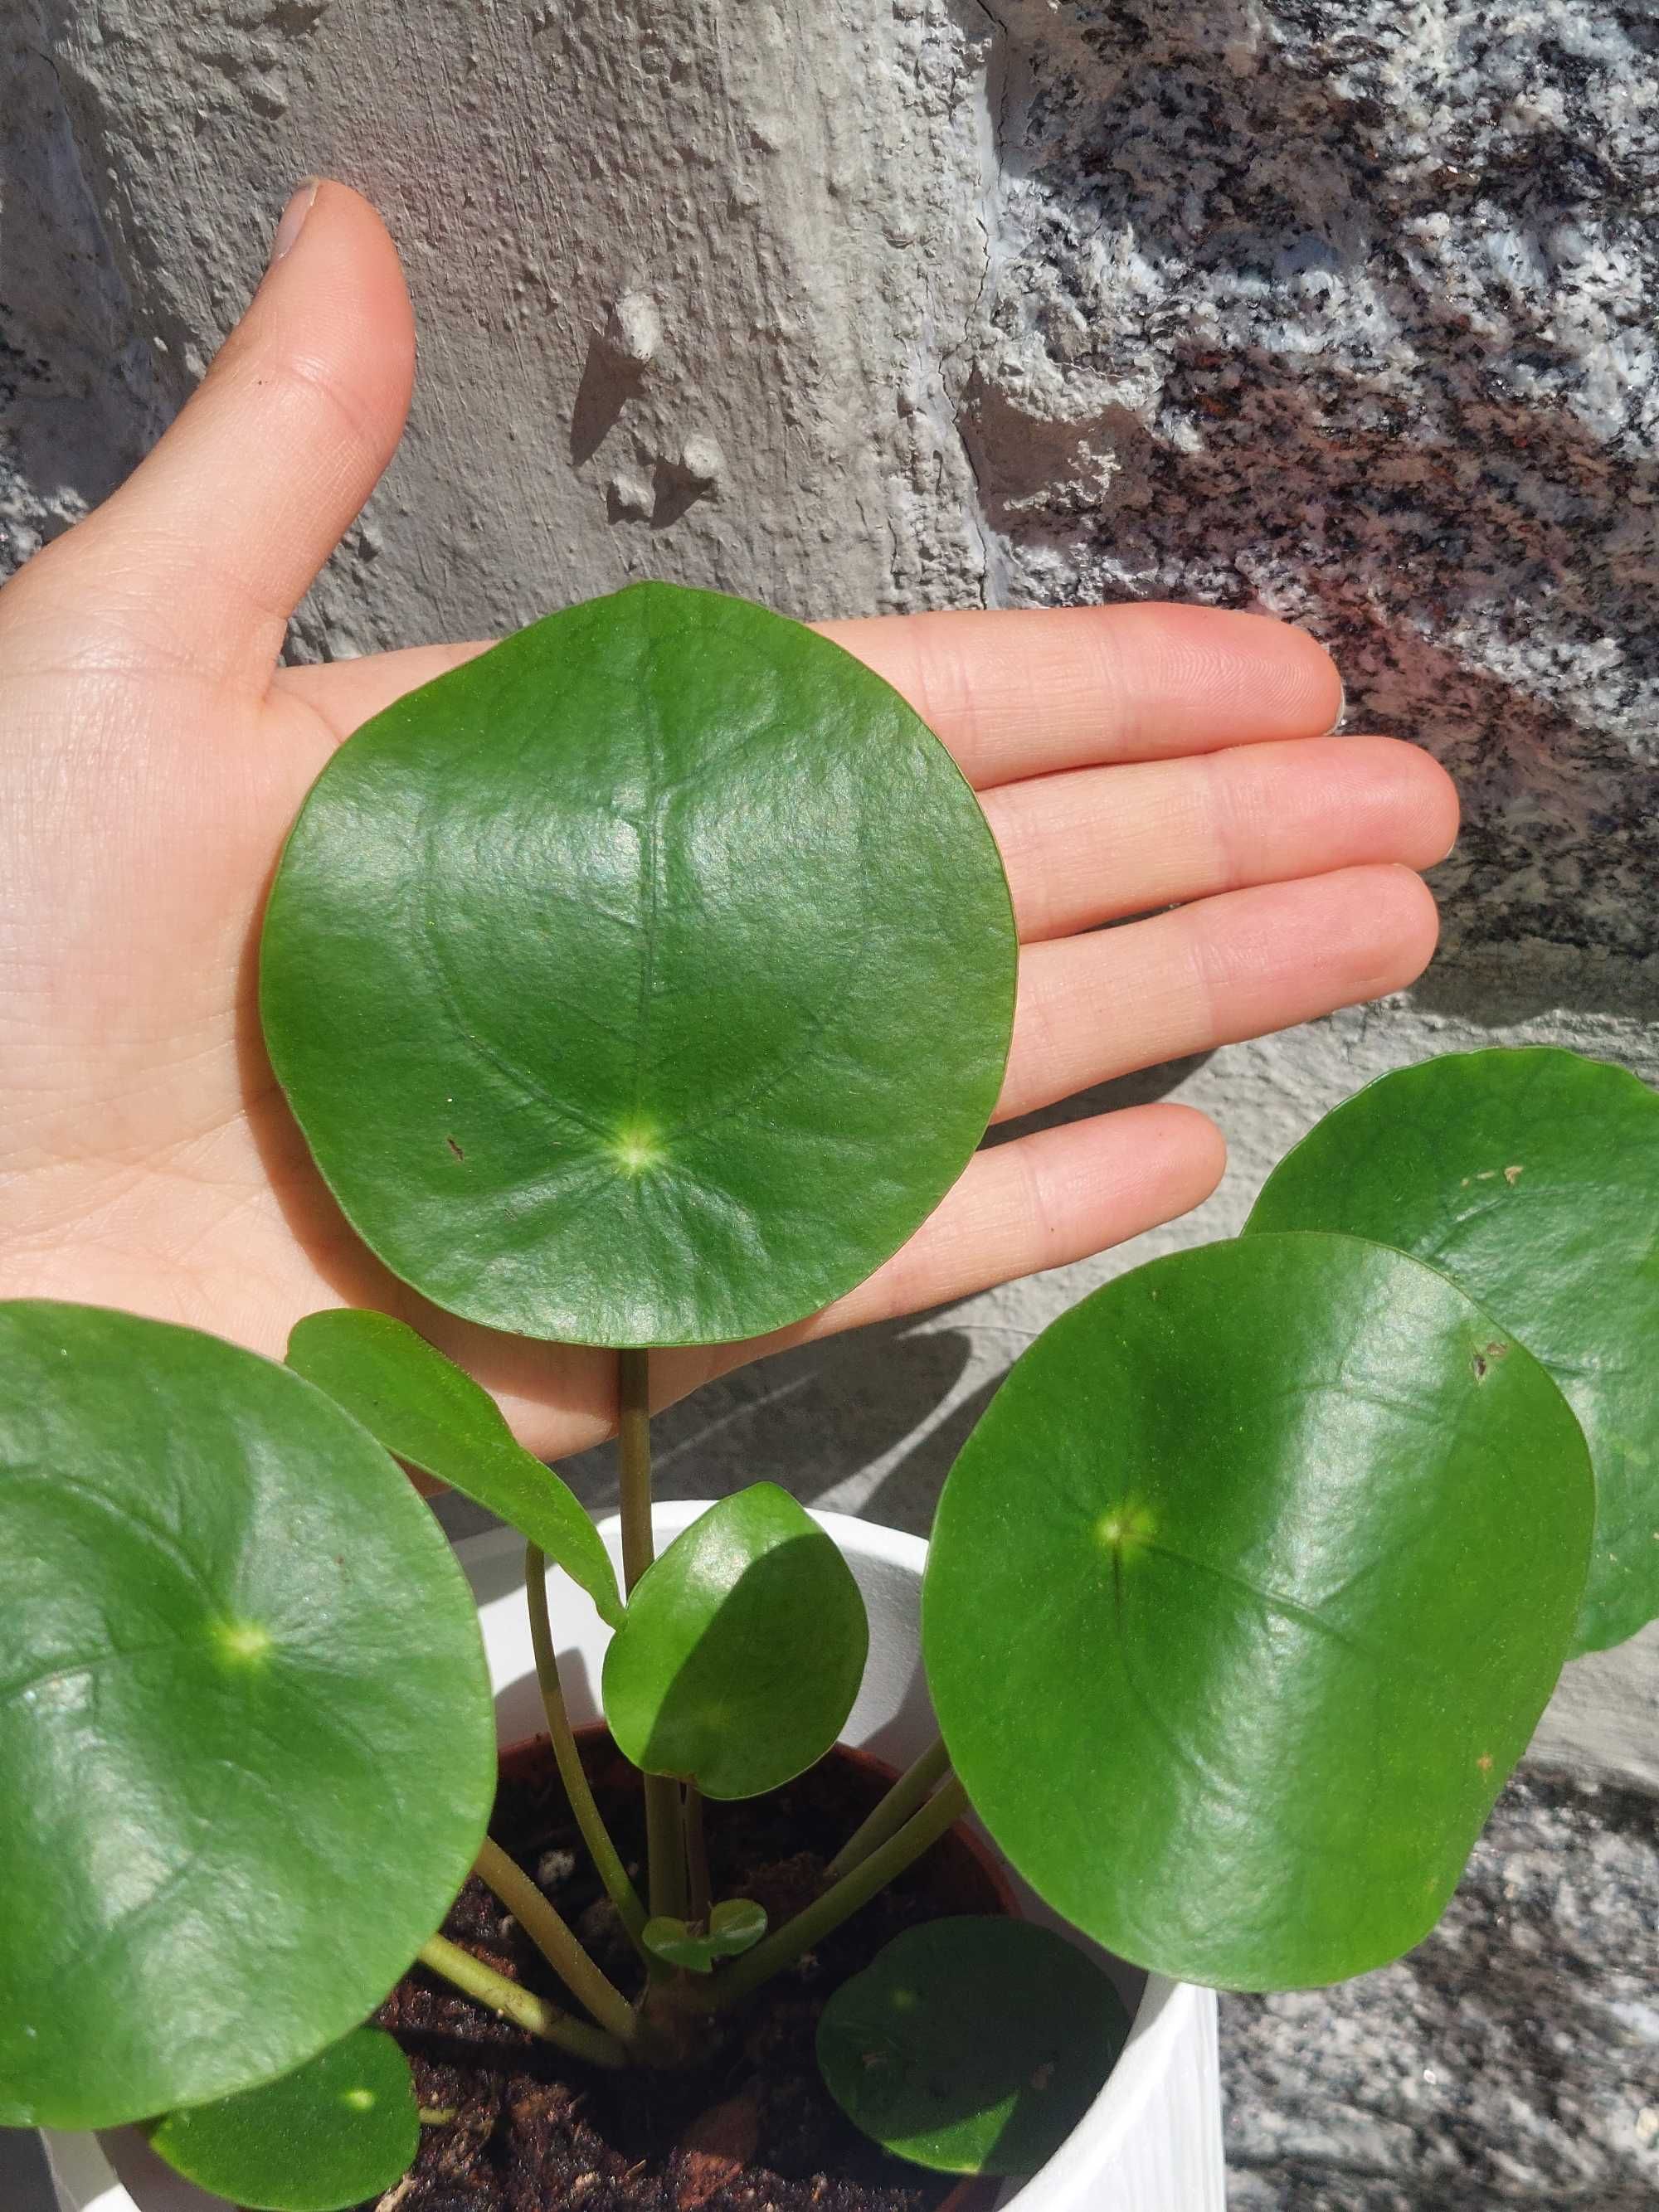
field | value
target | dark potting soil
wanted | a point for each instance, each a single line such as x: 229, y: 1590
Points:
x: 751, y: 2128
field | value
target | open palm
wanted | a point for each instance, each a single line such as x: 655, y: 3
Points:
x: 1153, y: 761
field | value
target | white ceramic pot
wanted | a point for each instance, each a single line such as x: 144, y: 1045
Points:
x: 1151, y: 2141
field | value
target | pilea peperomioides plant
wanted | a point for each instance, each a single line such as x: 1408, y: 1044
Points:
x: 645, y: 983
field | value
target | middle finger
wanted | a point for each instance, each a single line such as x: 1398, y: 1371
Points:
x: 1095, y: 845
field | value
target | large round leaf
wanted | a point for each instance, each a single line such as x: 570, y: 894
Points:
x: 646, y: 980
x: 341, y: 2128
x: 1243, y: 1598
x: 1531, y: 1177
x: 246, y: 1742
x: 435, y: 1417
x: 742, y: 1650
x: 972, y: 2046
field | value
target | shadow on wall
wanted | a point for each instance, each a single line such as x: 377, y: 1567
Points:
x: 78, y: 404
x: 814, y: 1418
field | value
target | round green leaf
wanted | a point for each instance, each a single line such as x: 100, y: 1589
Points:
x: 1531, y: 1177
x: 341, y: 2128
x: 972, y: 2046
x: 646, y: 980
x: 246, y: 1740
x: 1245, y: 1596
x: 735, y: 1926
x: 742, y: 1652
x: 422, y: 1406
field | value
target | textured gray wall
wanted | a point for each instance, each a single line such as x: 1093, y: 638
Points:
x: 1335, y: 307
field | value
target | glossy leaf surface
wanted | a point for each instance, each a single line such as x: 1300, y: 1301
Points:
x: 743, y: 1649
x: 646, y: 980
x: 1245, y: 1596
x: 246, y: 1740
x: 423, y: 1408
x: 972, y: 2046
x: 735, y: 1925
x: 340, y: 2128
x: 1531, y: 1177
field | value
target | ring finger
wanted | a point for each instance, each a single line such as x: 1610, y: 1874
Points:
x: 1099, y: 844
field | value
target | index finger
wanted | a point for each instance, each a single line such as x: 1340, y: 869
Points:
x: 1026, y: 691
x: 1016, y: 692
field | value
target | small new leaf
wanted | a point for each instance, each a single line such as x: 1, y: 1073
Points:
x: 341, y: 2128
x: 742, y: 1652
x: 972, y: 2046
x: 425, y: 1409
x: 735, y: 1925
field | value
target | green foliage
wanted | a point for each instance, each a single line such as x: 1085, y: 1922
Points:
x: 1245, y: 1597
x: 734, y: 1926
x: 743, y: 1649
x: 646, y: 980
x: 972, y: 2046
x: 1529, y: 1176
x: 247, y: 1741
x: 339, y: 2129
x: 422, y: 1406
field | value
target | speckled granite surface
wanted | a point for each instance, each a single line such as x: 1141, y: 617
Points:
x: 1513, y: 2059
x: 1345, y: 306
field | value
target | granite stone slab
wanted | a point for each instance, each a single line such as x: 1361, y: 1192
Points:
x: 1512, y: 2059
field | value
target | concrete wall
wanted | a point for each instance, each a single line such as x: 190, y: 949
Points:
x: 1335, y: 307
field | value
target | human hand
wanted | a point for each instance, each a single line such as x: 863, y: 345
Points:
x: 1130, y: 760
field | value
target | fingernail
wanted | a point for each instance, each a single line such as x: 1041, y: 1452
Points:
x: 1341, y: 711
x: 294, y: 219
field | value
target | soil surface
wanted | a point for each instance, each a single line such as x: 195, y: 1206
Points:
x: 752, y: 2128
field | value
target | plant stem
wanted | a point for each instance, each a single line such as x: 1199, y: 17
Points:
x: 665, y: 1845
x: 895, y: 1809
x: 521, y: 2006
x: 606, y: 1859
x: 839, y: 1902
x: 634, y: 1436
x: 555, y: 1941
x: 698, y: 1899
x: 664, y: 1830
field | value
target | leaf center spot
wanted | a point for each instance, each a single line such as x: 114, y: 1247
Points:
x: 1124, y: 1527
x: 241, y: 1642
x: 360, y: 2100
x: 637, y: 1148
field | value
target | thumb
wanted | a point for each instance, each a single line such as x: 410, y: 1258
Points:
x: 200, y: 558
